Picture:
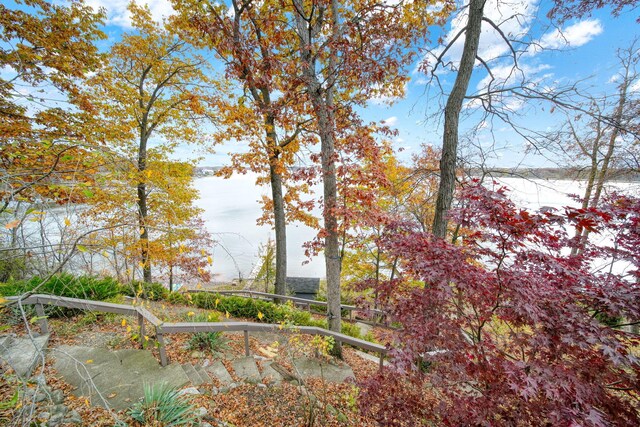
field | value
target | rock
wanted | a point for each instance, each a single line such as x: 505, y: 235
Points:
x: 55, y: 420
x: 74, y: 417
x: 40, y: 397
x: 44, y: 415
x: 201, y: 412
x: 41, y: 380
x: 214, y: 391
x: 262, y: 385
x: 205, y: 425
x: 206, y: 362
x: 189, y: 390
x: 197, y: 354
x: 57, y: 396
x: 59, y: 409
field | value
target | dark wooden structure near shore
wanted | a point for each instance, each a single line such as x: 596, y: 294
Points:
x: 303, y: 287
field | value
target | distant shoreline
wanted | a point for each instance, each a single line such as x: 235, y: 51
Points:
x: 563, y: 174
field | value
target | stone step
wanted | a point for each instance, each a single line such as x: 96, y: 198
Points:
x: 218, y: 371
x: 246, y: 369
x: 206, y: 379
x: 193, y: 375
x: 5, y: 343
x: 314, y: 368
x: 23, y: 354
x: 270, y: 374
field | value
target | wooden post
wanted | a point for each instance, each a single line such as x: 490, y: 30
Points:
x: 142, y: 333
x: 42, y: 319
x: 246, y: 343
x: 162, y: 349
x: 381, y: 360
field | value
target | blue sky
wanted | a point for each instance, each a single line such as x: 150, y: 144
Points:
x: 581, y: 50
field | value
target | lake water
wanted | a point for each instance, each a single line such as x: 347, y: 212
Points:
x: 232, y: 206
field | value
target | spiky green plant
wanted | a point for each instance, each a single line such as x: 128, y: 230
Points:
x: 214, y: 341
x: 163, y: 406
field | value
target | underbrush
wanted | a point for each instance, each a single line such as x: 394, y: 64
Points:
x: 110, y: 290
x: 207, y: 341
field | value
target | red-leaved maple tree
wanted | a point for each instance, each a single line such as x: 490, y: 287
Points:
x: 509, y: 328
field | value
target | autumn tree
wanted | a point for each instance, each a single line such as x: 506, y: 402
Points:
x: 407, y: 195
x: 596, y: 144
x: 45, y: 59
x: 46, y: 51
x: 509, y: 328
x: 268, y: 115
x: 347, y: 56
x: 154, y: 86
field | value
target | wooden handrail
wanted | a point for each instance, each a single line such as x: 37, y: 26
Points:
x: 188, y: 327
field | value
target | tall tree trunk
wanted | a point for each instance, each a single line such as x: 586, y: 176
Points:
x: 280, y: 227
x: 598, y: 174
x: 452, y: 117
x: 143, y: 210
x: 322, y: 101
x: 279, y: 219
x: 331, y: 240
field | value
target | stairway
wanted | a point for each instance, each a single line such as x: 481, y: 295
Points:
x: 245, y: 369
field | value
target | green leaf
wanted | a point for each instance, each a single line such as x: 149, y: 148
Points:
x: 11, y: 403
x: 81, y: 248
x: 34, y: 319
x: 87, y: 193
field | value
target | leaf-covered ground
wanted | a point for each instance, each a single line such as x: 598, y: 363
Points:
x: 288, y: 404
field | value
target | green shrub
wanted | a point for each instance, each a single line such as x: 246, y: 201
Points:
x: 163, y: 406
x: 13, y: 265
x: 351, y: 329
x: 213, y: 341
x: 260, y: 310
x: 65, y: 285
x: 150, y: 291
x: 263, y: 311
x: 178, y: 298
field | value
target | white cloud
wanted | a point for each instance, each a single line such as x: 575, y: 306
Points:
x: 391, y: 121
x: 574, y: 35
x: 117, y: 13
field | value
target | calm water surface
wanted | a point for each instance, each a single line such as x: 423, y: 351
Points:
x: 231, y: 207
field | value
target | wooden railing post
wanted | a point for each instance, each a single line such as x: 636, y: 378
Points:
x: 142, y: 333
x: 247, y: 351
x: 42, y: 319
x: 162, y: 349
